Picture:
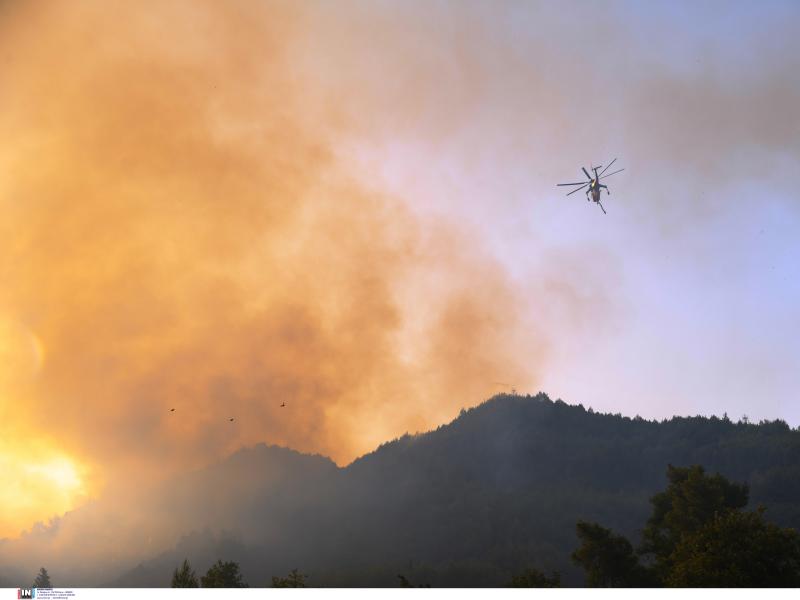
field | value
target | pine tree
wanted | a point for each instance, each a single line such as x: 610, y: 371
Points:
x: 184, y: 577
x: 42, y: 579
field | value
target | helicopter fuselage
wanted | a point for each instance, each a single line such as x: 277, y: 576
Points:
x: 594, y: 189
x: 593, y: 185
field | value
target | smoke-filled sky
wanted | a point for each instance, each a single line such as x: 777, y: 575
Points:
x: 350, y: 208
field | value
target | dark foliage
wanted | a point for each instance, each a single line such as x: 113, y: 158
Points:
x: 405, y: 583
x: 691, y: 500
x: 42, y: 579
x: 737, y: 549
x: 609, y: 560
x: 697, y: 536
x: 184, y: 577
x: 534, y: 578
x: 223, y: 575
x: 293, y: 580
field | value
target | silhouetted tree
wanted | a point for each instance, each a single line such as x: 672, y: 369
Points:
x: 691, y: 500
x: 184, y: 577
x: 737, y: 549
x: 223, y: 575
x: 608, y: 559
x: 534, y: 578
x: 293, y: 580
x: 697, y: 536
x: 42, y: 579
x: 405, y: 583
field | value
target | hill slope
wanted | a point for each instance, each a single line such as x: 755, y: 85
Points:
x: 497, y: 490
x: 504, y: 484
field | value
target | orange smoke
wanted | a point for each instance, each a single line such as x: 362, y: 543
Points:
x: 177, y: 233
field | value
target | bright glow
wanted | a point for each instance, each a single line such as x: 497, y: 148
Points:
x: 59, y: 472
x: 37, y: 485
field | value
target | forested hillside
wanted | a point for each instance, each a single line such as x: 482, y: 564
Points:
x: 497, y: 490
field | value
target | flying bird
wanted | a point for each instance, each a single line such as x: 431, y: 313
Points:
x: 283, y: 404
x: 231, y: 419
x: 171, y: 410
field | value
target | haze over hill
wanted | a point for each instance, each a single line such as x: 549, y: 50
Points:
x: 498, y: 489
x: 352, y: 208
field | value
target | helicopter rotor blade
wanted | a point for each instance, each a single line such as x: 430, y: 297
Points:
x: 581, y: 183
x: 578, y: 189
x: 607, y: 166
x: 586, y: 173
x: 614, y: 173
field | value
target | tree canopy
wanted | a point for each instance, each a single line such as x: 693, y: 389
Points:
x: 223, y: 575
x: 534, y: 578
x: 608, y: 559
x: 293, y: 580
x: 42, y: 579
x: 184, y: 576
x: 737, y: 549
x: 697, y: 536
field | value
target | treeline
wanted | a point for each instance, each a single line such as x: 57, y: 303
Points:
x: 477, y: 502
x: 227, y: 575
x: 503, y: 486
x: 42, y: 580
x: 698, y: 535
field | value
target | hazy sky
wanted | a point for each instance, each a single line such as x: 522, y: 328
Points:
x: 691, y: 280
x: 351, y: 207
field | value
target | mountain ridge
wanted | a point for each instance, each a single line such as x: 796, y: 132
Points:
x: 494, y: 491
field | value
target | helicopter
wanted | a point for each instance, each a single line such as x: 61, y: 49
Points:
x: 594, y: 184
